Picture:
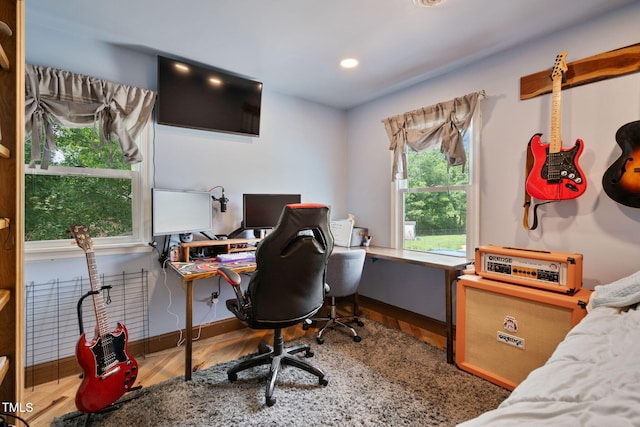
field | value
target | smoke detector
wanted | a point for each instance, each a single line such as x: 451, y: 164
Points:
x: 427, y: 3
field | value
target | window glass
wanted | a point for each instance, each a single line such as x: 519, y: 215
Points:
x: 434, y: 202
x: 87, y: 183
x: 53, y: 203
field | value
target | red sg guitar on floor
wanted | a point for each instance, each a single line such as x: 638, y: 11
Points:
x: 555, y: 174
x: 108, y: 370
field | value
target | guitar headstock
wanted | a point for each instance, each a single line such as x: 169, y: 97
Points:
x: 81, y: 234
x: 559, y: 67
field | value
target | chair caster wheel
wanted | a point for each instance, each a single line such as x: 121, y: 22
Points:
x: 359, y: 322
x: 357, y: 338
x: 320, y: 340
x: 323, y: 380
x: 232, y: 377
x: 263, y: 348
x: 309, y: 353
x: 270, y: 401
x: 307, y: 324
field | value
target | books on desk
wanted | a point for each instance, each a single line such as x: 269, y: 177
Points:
x: 341, y: 230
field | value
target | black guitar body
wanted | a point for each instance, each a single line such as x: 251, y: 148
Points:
x: 621, y: 181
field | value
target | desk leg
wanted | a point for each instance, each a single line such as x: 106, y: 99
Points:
x: 189, y: 330
x: 450, y: 277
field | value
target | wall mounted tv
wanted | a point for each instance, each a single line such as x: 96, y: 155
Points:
x: 203, y: 97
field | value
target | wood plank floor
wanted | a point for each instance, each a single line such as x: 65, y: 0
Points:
x: 56, y: 398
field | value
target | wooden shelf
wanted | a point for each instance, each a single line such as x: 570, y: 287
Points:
x: 228, y: 246
x: 5, y: 295
x: 603, y: 66
x: 12, y: 107
x: 4, y: 367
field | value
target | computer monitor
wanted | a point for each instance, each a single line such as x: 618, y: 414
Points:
x: 262, y: 211
x: 181, y: 212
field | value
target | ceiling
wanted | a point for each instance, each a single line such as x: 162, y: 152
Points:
x: 294, y: 46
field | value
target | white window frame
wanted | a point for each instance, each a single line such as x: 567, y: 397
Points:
x: 141, y: 176
x: 399, y: 187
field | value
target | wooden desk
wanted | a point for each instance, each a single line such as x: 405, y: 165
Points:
x: 451, y: 265
x: 190, y: 271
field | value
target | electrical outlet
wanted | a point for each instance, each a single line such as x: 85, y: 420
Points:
x: 162, y: 259
x: 214, y: 297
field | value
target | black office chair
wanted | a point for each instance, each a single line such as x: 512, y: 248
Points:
x: 287, y: 287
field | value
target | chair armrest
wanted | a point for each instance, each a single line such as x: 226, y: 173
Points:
x: 240, y: 307
x: 230, y: 276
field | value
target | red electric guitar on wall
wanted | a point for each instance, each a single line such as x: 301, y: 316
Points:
x: 108, y: 370
x: 555, y: 174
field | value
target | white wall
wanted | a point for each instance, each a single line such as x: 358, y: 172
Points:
x: 605, y: 232
x: 343, y: 159
x: 302, y: 149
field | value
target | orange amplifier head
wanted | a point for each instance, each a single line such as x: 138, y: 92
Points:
x: 553, y: 271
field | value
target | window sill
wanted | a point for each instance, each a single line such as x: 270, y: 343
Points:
x: 72, y: 250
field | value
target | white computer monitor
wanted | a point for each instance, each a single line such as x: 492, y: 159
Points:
x: 180, y: 212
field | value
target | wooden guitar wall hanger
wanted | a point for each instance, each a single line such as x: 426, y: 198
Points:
x: 602, y: 66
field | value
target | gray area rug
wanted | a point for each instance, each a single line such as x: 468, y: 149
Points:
x: 389, y: 378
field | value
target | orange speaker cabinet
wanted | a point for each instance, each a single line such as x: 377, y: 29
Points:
x: 504, y: 331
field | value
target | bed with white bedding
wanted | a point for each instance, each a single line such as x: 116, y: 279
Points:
x: 593, y: 376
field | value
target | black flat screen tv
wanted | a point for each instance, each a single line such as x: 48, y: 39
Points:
x: 203, y: 97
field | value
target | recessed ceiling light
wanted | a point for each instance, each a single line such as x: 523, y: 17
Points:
x: 349, y: 63
x: 427, y: 3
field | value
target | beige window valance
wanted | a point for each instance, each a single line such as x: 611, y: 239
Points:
x: 119, y: 111
x: 441, y: 124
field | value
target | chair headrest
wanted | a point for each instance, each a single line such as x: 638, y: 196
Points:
x: 306, y: 205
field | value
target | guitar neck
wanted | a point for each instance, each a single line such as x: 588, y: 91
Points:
x: 555, y: 141
x: 98, y: 302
